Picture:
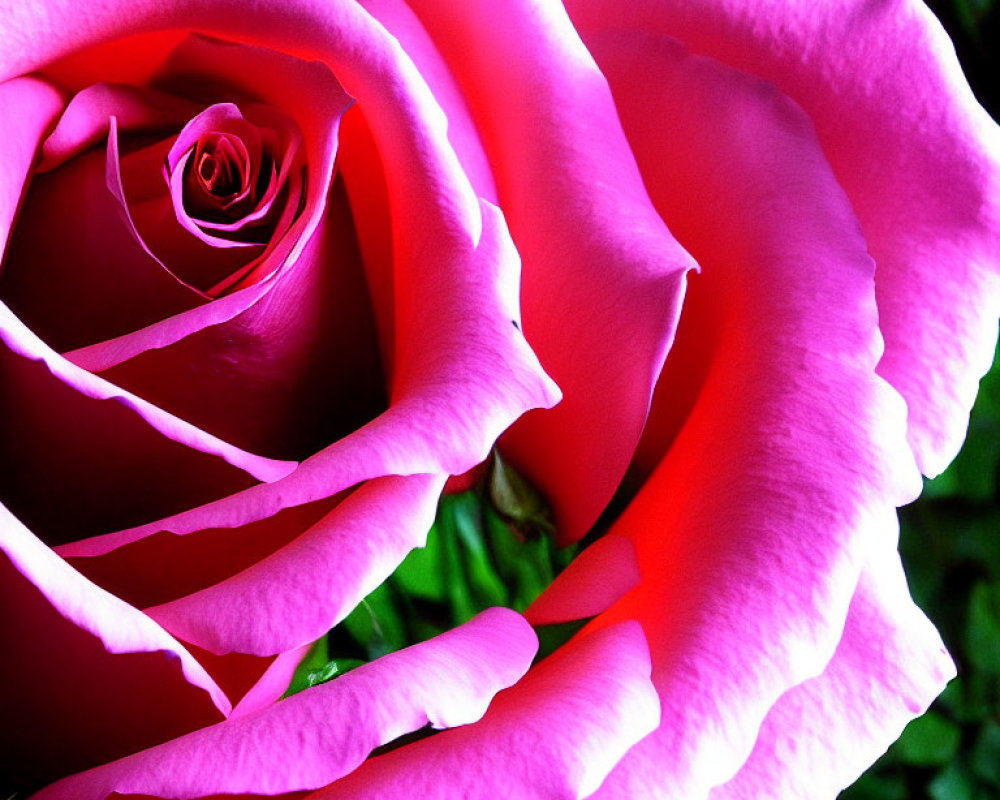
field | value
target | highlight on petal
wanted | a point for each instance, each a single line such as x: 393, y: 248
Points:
x: 313, y: 738
x: 603, y: 279
x: 557, y: 733
x: 822, y: 734
x: 753, y: 530
x: 94, y: 678
x: 917, y: 156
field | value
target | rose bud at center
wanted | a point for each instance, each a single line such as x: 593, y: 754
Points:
x: 233, y: 179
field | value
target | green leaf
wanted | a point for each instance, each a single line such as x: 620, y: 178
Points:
x: 484, y: 582
x: 315, y: 659
x: 929, y: 740
x: 952, y: 783
x: 421, y: 574
x: 982, y: 632
x: 552, y: 637
x: 986, y: 754
x: 877, y: 786
x: 377, y: 625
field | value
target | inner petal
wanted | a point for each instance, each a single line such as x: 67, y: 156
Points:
x: 221, y: 171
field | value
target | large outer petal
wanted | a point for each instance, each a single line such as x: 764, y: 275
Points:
x: 916, y: 154
x: 781, y: 484
x: 603, y: 279
x: 822, y: 734
x: 317, y: 736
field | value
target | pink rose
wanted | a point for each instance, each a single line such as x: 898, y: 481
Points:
x: 827, y: 171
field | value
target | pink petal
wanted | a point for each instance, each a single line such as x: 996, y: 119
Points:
x: 94, y: 678
x: 287, y: 375
x: 917, y: 156
x: 84, y: 123
x: 364, y: 179
x: 147, y: 206
x: 132, y: 61
x: 752, y: 532
x: 463, y: 135
x: 316, y: 736
x: 161, y: 567
x: 72, y: 440
x: 272, y: 685
x: 291, y: 597
x: 822, y: 734
x: 603, y: 279
x: 92, y: 281
x: 590, y: 585
x: 29, y: 107
x: 557, y: 733
x: 313, y: 97
x: 461, y: 379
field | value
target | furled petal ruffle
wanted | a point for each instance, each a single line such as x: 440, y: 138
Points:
x: 822, y: 734
x: 917, y: 156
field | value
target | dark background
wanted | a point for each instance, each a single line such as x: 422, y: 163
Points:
x: 950, y: 543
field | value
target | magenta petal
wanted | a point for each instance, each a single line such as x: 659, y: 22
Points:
x: 463, y: 135
x: 822, y: 734
x: 29, y: 107
x: 293, y: 596
x: 603, y: 278
x: 461, y: 379
x: 916, y: 154
x: 752, y: 532
x: 272, y: 685
x: 319, y: 735
x: 557, y: 733
x: 591, y: 584
x: 85, y: 121
x: 290, y: 374
x: 94, y: 678
x: 24, y: 343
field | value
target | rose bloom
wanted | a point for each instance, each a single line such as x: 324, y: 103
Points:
x: 265, y: 274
